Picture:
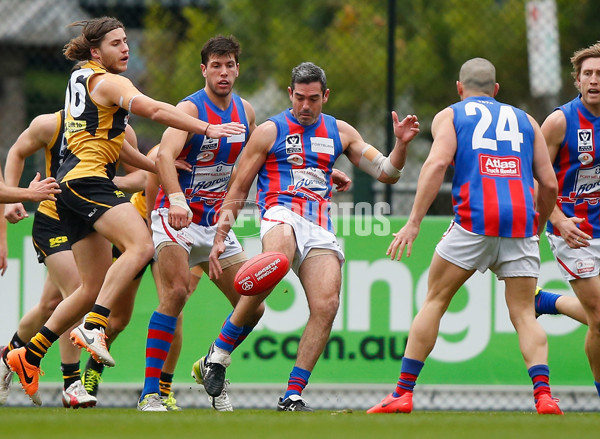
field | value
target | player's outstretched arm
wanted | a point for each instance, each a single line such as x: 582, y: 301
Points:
x: 111, y: 89
x: 370, y: 159
x: 429, y: 183
x: 38, y: 190
x: 36, y: 137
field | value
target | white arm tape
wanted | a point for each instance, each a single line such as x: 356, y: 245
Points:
x: 131, y: 102
x: 178, y: 199
x: 379, y: 163
x: 390, y: 169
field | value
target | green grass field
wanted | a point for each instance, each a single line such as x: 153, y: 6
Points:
x: 47, y: 423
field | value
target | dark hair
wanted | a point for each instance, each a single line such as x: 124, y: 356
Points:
x: 307, y: 72
x: 92, y: 33
x: 221, y: 45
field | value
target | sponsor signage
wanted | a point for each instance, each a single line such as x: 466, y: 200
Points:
x: 477, y: 344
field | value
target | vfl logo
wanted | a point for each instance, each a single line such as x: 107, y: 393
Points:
x: 499, y: 166
x: 584, y: 140
x: 293, y: 144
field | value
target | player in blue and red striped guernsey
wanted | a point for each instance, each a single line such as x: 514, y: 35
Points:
x: 497, y: 151
x: 187, y: 205
x: 571, y: 132
x: 293, y: 154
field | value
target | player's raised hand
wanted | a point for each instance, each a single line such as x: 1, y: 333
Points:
x: 406, y: 129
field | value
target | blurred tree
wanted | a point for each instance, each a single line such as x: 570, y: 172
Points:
x: 348, y: 38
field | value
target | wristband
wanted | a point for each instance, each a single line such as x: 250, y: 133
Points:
x: 178, y: 199
x: 206, y: 131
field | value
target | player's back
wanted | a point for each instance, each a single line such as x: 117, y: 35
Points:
x: 493, y: 188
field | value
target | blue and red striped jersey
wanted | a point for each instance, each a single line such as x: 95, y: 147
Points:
x: 297, y: 170
x: 493, y: 189
x: 577, y: 168
x: 212, y: 160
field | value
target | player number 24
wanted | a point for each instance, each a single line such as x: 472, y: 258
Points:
x: 507, y: 127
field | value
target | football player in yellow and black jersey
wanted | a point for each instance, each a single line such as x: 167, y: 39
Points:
x: 120, y: 316
x: 45, y: 133
x: 53, y: 249
x: 91, y: 207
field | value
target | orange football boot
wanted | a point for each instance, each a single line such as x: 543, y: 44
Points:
x: 546, y: 405
x: 28, y: 374
x: 394, y: 404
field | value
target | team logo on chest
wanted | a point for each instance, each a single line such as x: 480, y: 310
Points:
x: 584, y: 140
x: 293, y: 144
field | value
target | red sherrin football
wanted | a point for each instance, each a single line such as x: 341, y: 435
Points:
x: 260, y: 273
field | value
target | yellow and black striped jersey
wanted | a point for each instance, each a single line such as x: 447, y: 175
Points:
x: 53, y: 153
x: 94, y: 132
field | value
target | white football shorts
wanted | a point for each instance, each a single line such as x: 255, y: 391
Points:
x: 575, y: 263
x: 195, y: 239
x: 506, y: 257
x: 308, y: 235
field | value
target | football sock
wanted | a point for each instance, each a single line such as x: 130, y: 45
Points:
x: 228, y: 336
x: 540, y: 376
x: 15, y: 342
x: 409, y: 372
x: 545, y: 302
x: 94, y: 365
x: 71, y: 373
x: 597, y: 384
x: 97, y: 318
x: 246, y: 330
x: 297, y: 382
x: 160, y: 335
x: 39, y: 345
x: 166, y: 379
